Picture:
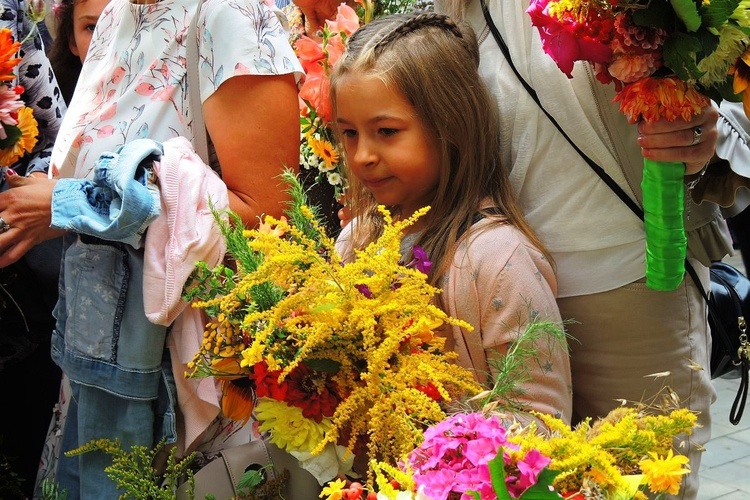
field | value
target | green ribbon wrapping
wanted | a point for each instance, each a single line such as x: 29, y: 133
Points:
x: 663, y: 207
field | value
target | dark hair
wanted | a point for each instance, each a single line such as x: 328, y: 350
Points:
x: 65, y: 64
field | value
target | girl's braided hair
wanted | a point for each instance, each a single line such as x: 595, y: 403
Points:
x: 416, y: 23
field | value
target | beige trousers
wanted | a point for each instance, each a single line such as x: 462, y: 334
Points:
x: 622, y: 336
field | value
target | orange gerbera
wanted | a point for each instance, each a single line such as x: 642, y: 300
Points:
x: 741, y: 81
x: 8, y: 50
x: 29, y: 132
x: 655, y: 98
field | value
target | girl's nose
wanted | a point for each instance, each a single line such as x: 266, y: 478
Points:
x: 365, y: 153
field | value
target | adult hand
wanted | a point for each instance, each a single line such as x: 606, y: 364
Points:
x: 692, y: 142
x: 27, y: 209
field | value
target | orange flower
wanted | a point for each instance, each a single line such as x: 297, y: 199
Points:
x: 8, y: 50
x: 346, y: 21
x: 741, y: 82
x: 29, y: 132
x: 237, y: 399
x: 655, y: 98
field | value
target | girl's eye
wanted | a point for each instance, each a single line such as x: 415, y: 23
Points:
x: 388, y: 132
x: 90, y: 27
x: 349, y: 133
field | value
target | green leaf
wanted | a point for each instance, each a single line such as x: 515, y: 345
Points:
x: 680, y: 51
x: 717, y: 12
x: 657, y: 15
x: 497, y: 475
x: 688, y: 13
x: 543, y: 489
x: 251, y: 479
x: 13, y: 133
x: 323, y: 365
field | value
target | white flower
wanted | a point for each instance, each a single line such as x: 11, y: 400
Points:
x: 334, y: 179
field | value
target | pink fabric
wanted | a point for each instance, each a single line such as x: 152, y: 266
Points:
x: 181, y: 236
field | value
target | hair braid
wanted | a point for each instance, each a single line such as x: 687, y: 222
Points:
x: 416, y: 23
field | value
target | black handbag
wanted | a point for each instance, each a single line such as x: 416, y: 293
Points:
x: 729, y: 300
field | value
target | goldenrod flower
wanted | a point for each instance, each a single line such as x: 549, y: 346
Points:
x: 664, y: 475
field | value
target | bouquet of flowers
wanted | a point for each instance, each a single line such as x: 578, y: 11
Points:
x: 18, y: 128
x: 475, y: 456
x: 666, y: 58
x: 332, y: 358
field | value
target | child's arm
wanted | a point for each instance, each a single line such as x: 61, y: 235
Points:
x: 501, y: 283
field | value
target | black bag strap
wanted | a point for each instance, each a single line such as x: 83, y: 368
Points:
x: 739, y: 403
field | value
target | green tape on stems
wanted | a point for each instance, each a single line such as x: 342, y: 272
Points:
x: 663, y: 207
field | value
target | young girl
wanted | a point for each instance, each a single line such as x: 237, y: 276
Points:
x: 419, y: 128
x: 73, y: 23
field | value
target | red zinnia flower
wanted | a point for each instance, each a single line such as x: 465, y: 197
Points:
x: 312, y: 392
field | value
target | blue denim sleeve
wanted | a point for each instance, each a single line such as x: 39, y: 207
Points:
x: 86, y: 207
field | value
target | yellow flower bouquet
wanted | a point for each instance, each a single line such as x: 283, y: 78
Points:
x: 334, y: 359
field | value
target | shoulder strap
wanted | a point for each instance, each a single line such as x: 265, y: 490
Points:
x: 200, y: 142
x: 594, y: 166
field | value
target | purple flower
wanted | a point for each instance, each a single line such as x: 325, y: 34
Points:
x: 364, y: 290
x: 420, y: 262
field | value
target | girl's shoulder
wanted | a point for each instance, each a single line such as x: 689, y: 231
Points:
x: 493, y: 243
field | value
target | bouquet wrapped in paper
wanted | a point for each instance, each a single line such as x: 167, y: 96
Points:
x: 666, y: 58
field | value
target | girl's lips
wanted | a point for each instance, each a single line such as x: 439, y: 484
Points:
x: 377, y: 183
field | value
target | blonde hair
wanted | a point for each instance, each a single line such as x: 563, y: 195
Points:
x: 433, y: 62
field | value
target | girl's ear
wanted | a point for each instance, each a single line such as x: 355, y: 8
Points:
x: 73, y: 47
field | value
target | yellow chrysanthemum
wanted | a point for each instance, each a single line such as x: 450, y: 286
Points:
x: 290, y: 430
x: 333, y: 490
x: 664, y: 475
x: 29, y: 132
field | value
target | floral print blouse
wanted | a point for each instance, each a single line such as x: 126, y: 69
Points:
x: 134, y: 80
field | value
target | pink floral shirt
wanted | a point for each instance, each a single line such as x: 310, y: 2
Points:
x: 134, y: 79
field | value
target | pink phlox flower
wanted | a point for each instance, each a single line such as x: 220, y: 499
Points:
x: 10, y: 103
x: 436, y: 483
x: 566, y: 42
x: 530, y: 467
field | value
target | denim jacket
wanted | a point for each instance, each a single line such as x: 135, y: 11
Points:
x: 102, y: 337
x: 121, y: 200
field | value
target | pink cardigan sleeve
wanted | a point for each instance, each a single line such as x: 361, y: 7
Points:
x: 497, y: 281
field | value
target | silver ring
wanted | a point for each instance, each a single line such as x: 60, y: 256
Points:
x: 697, y: 131
x: 4, y: 226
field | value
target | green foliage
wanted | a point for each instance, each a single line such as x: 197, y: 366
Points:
x: 10, y: 482
x: 386, y: 7
x: 717, y: 12
x: 51, y: 491
x: 687, y: 11
x: 512, y: 370
x: 13, y: 134
x: 680, y: 52
x: 135, y: 473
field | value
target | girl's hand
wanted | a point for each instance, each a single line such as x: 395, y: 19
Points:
x: 27, y: 209
x: 692, y: 142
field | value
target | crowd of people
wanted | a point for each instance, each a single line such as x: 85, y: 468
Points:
x: 520, y: 226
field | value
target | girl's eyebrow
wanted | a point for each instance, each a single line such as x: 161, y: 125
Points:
x: 374, y: 119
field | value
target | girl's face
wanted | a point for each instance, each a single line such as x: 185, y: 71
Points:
x: 387, y: 147
x: 85, y: 15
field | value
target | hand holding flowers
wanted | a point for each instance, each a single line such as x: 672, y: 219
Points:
x: 666, y: 59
